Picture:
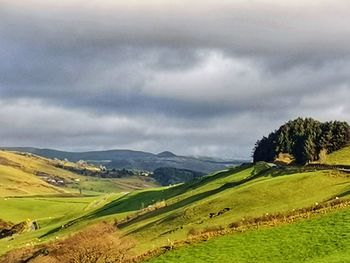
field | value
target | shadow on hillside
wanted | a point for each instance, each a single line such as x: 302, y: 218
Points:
x: 282, y: 171
x: 256, y: 173
x: 343, y: 194
x: 190, y: 200
x: 119, y: 205
x: 143, y: 199
x: 149, y: 197
x: 133, y: 202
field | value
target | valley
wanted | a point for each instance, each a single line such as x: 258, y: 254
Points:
x: 174, y: 131
x: 179, y: 217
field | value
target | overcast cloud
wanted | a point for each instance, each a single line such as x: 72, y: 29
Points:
x: 194, y: 77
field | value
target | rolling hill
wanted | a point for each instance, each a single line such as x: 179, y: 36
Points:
x: 323, y: 239
x: 27, y: 174
x: 19, y: 175
x: 229, y: 196
x: 161, y: 218
x: 341, y: 157
x: 138, y: 160
x: 17, y: 182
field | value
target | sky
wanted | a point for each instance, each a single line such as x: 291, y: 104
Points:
x: 195, y: 77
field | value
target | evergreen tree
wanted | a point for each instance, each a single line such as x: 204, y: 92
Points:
x: 305, y: 139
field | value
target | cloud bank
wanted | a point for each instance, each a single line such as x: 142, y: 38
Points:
x: 194, y: 77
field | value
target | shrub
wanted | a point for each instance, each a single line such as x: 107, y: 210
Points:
x: 97, y: 243
x: 193, y: 232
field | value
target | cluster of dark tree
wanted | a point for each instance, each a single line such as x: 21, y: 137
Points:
x: 170, y: 175
x: 103, y: 173
x: 305, y: 139
x: 116, y: 173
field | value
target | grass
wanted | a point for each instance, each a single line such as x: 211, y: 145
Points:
x: 18, y: 177
x: 247, y: 191
x: 36, y: 208
x: 323, y: 240
x: 17, y: 182
x: 109, y: 185
x: 32, y: 164
x: 265, y: 193
x: 49, y: 212
x: 25, y: 196
x: 341, y: 157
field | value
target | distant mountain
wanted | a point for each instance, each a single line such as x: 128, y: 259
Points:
x: 139, y: 160
x: 166, y: 154
x: 91, y: 155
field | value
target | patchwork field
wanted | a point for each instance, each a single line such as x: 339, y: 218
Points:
x: 157, y: 218
x: 25, y: 174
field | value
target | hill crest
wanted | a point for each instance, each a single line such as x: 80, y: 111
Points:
x: 137, y: 160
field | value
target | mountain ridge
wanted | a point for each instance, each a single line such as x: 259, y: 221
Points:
x: 138, y: 160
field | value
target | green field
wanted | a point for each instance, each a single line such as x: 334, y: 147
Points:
x: 248, y: 191
x: 17, y: 182
x: 324, y: 239
x: 18, y: 177
x: 341, y: 157
x: 49, y: 212
x: 26, y: 197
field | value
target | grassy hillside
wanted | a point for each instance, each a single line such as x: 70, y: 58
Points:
x: 17, y: 182
x: 49, y: 212
x: 323, y: 239
x: 26, y: 196
x: 156, y: 217
x: 24, y: 174
x: 245, y: 192
x: 128, y: 159
x: 18, y: 175
x: 341, y: 157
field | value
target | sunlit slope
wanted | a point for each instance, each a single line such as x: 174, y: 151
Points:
x: 26, y: 196
x: 242, y: 194
x: 22, y: 174
x: 19, y: 175
x: 159, y: 216
x: 49, y: 212
x: 17, y: 182
x: 218, y: 200
x: 324, y: 239
x: 341, y: 157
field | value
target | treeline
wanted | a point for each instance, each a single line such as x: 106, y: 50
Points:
x: 305, y: 139
x: 169, y: 175
x: 102, y: 173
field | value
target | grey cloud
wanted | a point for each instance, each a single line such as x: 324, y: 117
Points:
x: 203, y: 74
x: 47, y: 126
x: 251, y: 28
